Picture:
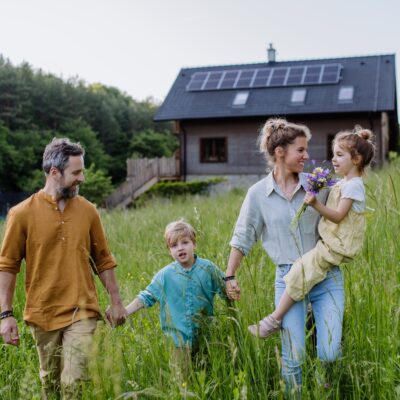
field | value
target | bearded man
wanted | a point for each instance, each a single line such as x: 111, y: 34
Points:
x: 61, y: 238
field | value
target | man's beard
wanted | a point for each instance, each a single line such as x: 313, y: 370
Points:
x: 68, y: 192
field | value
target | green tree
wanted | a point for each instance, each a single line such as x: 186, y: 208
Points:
x: 21, y: 157
x: 97, y: 185
x: 79, y: 131
x: 152, y: 144
x: 36, y: 106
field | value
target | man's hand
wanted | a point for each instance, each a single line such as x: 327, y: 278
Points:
x: 9, y: 331
x: 116, y: 314
x: 233, y: 289
x: 310, y: 199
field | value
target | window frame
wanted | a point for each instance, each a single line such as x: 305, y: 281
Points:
x: 202, y: 150
x: 243, y: 96
x: 343, y: 89
x: 297, y: 91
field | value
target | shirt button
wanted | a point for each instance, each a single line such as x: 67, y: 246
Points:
x: 62, y: 222
x: 63, y: 238
x: 56, y: 208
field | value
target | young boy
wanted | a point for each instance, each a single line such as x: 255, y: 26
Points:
x: 185, y: 290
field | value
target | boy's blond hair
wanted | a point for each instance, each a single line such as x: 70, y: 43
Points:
x: 177, y: 230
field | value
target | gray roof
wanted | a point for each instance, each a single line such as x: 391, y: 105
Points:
x: 373, y: 79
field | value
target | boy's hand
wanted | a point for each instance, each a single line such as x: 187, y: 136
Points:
x: 116, y: 315
x: 233, y: 289
x: 310, y: 199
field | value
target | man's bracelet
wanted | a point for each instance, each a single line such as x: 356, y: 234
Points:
x: 229, y: 278
x: 6, y: 314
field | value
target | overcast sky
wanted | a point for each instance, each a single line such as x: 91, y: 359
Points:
x: 139, y: 46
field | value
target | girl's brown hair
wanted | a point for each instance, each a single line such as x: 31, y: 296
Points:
x: 279, y: 132
x: 359, y: 142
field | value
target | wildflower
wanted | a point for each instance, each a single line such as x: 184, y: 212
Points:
x: 316, y: 180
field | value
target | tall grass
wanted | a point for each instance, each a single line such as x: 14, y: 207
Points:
x: 134, y: 361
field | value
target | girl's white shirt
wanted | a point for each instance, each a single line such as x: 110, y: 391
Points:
x: 353, y: 189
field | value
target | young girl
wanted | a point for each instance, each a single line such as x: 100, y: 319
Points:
x: 341, y: 227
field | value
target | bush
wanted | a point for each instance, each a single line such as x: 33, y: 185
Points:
x: 172, y: 189
x: 97, y: 185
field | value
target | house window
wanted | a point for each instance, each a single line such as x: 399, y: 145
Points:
x: 213, y: 150
x: 298, y: 96
x: 346, y: 94
x: 240, y: 99
x: 329, y: 146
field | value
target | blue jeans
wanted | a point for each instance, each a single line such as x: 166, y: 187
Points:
x: 327, y: 299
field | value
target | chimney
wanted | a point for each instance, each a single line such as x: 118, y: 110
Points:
x: 271, y: 53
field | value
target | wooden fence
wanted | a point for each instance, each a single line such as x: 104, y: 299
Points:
x: 142, y: 173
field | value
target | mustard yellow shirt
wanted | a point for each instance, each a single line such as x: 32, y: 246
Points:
x: 61, y: 250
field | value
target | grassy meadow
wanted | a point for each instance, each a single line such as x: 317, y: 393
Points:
x: 133, y: 361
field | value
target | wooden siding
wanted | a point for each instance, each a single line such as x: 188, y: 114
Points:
x: 242, y: 134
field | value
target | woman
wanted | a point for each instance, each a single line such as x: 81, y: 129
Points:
x: 266, y: 213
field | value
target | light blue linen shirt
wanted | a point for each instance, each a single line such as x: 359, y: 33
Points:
x: 266, y: 213
x: 186, y: 296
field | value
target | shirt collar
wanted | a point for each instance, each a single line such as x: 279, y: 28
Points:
x: 271, y: 185
x: 51, y: 199
x: 183, y: 269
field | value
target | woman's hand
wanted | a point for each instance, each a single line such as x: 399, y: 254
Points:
x: 233, y: 289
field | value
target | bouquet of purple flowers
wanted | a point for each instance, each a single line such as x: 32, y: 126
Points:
x: 318, y: 179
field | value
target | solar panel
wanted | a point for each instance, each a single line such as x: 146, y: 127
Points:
x: 213, y: 80
x: 245, y: 78
x: 331, y: 73
x: 314, y: 74
x: 278, y: 77
x: 261, y: 77
x: 295, y: 76
x: 229, y: 79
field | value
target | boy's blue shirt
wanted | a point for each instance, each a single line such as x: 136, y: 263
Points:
x: 184, y: 296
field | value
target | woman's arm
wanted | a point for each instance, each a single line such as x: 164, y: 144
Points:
x: 335, y: 216
x: 232, y: 287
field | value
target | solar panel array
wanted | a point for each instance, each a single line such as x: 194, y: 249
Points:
x: 265, y: 77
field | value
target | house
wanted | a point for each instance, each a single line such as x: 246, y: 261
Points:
x: 218, y: 110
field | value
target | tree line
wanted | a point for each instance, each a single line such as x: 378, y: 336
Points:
x: 36, y: 106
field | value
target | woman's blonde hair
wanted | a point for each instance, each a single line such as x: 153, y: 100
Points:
x: 177, y: 230
x: 279, y: 132
x: 359, y: 142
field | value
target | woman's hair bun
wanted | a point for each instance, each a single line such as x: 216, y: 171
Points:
x: 278, y: 123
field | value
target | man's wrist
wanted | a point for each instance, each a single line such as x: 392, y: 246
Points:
x: 6, y: 314
x: 116, y: 300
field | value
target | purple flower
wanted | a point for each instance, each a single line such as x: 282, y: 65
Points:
x: 318, y: 179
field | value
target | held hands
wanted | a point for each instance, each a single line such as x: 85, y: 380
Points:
x: 233, y: 289
x: 116, y: 315
x: 9, y: 331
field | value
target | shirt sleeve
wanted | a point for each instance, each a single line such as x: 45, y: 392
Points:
x: 153, y: 292
x: 99, y: 250
x: 14, y: 243
x: 218, y: 283
x: 354, y: 190
x: 248, y: 226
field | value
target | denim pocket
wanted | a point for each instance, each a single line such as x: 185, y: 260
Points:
x: 281, y: 271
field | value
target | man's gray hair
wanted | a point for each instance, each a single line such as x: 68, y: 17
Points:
x: 57, y: 153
